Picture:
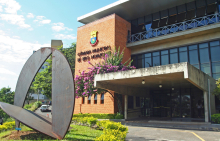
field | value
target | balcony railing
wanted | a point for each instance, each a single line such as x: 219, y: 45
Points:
x: 182, y: 26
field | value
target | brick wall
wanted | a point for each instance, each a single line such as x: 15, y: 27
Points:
x: 112, y: 31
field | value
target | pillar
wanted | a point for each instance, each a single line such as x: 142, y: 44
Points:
x: 206, y: 106
x: 126, y: 107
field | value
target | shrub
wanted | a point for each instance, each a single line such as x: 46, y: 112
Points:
x: 215, y: 118
x: 7, y: 126
x: 33, y: 106
x: 113, y: 131
x: 86, y: 121
x: 101, y: 116
x: 112, y: 135
x: 119, y: 116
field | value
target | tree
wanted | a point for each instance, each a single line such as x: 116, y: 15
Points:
x: 70, y: 54
x: 7, y: 96
x: 43, y: 80
x: 216, y: 92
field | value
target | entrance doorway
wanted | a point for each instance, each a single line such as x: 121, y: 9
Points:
x: 178, y: 104
x: 161, y: 104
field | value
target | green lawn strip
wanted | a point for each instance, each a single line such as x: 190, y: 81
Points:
x: 76, y: 133
x: 82, y: 133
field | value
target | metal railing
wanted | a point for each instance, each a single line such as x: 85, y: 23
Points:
x: 182, y: 26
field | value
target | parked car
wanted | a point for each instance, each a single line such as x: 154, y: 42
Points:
x: 44, y: 108
x: 1, y: 120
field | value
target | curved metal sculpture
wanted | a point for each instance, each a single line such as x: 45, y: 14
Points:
x: 62, y: 95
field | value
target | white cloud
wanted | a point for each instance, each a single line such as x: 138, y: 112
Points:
x: 16, y: 50
x: 45, y: 21
x: 1, y: 8
x: 60, y: 26
x: 42, y: 20
x: 15, y: 19
x: 5, y: 71
x: 30, y: 15
x: 11, y: 6
x: 62, y: 36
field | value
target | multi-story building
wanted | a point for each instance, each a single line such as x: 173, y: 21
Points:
x: 175, y: 46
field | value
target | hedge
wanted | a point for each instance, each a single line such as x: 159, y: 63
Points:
x: 101, y: 116
x: 215, y: 118
x: 112, y: 131
x: 7, y: 126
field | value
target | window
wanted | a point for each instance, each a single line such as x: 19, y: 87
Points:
x: 89, y: 99
x: 204, y: 56
x: 148, y: 60
x: 173, y: 56
x: 140, y: 61
x: 193, y: 56
x: 137, y: 101
x: 164, y: 57
x: 215, y: 59
x: 83, y: 100
x: 102, y: 98
x: 156, y: 58
x: 95, y: 99
x: 130, y: 102
x: 183, y: 54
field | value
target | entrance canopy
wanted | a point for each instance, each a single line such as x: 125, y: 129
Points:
x: 168, y: 76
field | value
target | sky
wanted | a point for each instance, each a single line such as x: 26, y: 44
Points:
x: 28, y: 25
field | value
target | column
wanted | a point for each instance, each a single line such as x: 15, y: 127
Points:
x: 126, y: 107
x: 206, y: 106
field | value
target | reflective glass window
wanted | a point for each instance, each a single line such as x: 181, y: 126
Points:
x: 134, y: 61
x: 214, y: 43
x: 156, y: 53
x: 216, y: 67
x: 148, y: 62
x: 140, y: 63
x: 173, y: 58
x: 183, y: 49
x: 204, y: 55
x: 183, y: 56
x: 204, y: 45
x: 193, y: 57
x: 205, y: 68
x: 216, y: 76
x: 156, y: 61
x: 147, y: 55
x: 192, y: 47
x: 164, y: 59
x: 215, y: 53
x: 164, y: 52
x: 173, y: 50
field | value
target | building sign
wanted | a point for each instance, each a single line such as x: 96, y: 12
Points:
x: 94, y: 38
x: 92, y: 54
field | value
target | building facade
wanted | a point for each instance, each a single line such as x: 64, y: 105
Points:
x: 174, y: 45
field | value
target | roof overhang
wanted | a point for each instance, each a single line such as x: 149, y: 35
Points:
x: 180, y: 75
x: 131, y: 9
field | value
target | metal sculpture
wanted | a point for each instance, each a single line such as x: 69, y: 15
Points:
x: 62, y: 95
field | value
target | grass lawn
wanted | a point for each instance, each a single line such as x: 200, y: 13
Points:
x: 79, y: 133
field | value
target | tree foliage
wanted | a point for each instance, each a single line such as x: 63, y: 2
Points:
x: 216, y: 92
x: 7, y: 96
x: 43, y: 80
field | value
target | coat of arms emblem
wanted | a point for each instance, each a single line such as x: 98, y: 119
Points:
x: 94, y: 40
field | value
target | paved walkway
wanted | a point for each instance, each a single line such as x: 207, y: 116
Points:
x: 136, y: 133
